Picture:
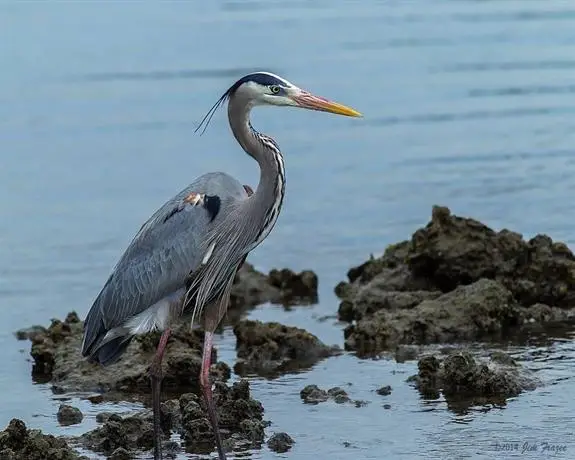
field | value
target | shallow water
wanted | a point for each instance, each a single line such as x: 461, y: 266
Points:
x: 467, y: 103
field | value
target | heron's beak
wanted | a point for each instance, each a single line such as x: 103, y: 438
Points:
x: 309, y: 101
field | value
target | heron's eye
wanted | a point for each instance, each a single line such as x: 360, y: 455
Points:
x: 275, y: 89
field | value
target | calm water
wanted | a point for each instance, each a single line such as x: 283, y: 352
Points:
x: 467, y: 103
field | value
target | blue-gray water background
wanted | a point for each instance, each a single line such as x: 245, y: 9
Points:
x: 470, y: 104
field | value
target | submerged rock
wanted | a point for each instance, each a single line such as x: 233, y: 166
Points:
x: 466, y: 381
x: 19, y: 443
x: 269, y: 348
x: 456, y: 279
x: 384, y: 390
x: 69, y: 415
x: 280, y: 442
x: 312, y: 394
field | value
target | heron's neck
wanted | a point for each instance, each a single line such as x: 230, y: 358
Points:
x: 268, y: 196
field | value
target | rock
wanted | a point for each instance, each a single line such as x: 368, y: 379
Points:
x: 312, y: 394
x: 384, y: 391
x: 283, y: 287
x: 30, y: 332
x: 295, y: 288
x: 68, y: 415
x: 96, y: 399
x: 238, y: 414
x: 484, y: 309
x: 240, y: 418
x: 102, y: 417
x: 19, y: 443
x: 134, y: 432
x: 56, y: 359
x: 121, y: 454
x: 339, y: 395
x: 270, y: 348
x: 280, y: 442
x: 220, y: 371
x: 456, y: 280
x: 466, y: 381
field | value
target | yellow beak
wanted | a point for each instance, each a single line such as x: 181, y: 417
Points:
x: 309, y: 101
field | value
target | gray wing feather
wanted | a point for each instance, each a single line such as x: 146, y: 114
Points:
x: 160, y: 257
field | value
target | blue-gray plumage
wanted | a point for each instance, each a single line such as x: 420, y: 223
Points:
x: 182, y: 262
x: 155, y: 266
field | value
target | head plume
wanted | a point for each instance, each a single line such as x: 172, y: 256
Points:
x: 261, y: 78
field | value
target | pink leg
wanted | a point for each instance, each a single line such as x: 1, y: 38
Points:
x: 207, y: 391
x: 156, y: 380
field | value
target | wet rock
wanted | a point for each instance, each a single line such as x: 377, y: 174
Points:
x: 19, y: 443
x: 30, y: 332
x: 270, y: 348
x: 358, y: 403
x: 456, y: 280
x: 312, y: 394
x: 339, y: 395
x: 69, y: 415
x: 134, y: 432
x: 295, y: 288
x: 102, y: 417
x: 220, y: 371
x: 384, y: 391
x: 121, y: 454
x: 405, y: 353
x: 56, y: 359
x: 465, y: 380
x: 240, y: 418
x: 280, y: 442
x: 482, y: 310
x: 238, y: 415
x: 283, y: 287
x: 96, y: 399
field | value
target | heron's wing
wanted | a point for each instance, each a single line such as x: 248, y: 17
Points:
x: 160, y: 257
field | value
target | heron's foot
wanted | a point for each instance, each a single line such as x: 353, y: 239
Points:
x: 195, y: 199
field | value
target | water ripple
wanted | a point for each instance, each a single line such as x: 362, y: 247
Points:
x: 156, y: 75
x: 472, y: 115
x: 487, y: 66
x: 522, y: 90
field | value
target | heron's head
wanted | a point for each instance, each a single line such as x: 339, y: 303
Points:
x: 264, y: 88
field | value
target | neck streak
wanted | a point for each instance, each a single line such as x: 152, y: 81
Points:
x: 264, y: 205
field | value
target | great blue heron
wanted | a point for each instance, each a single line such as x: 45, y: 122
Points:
x: 182, y: 262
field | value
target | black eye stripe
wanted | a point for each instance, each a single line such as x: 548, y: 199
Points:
x: 275, y: 89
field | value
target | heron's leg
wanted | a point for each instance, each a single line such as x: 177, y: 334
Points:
x: 156, y: 380
x: 207, y: 391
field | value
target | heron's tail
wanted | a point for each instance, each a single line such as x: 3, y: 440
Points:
x: 100, y: 344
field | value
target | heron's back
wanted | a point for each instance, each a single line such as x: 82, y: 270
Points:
x: 156, y: 264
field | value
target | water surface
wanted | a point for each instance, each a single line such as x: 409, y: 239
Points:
x: 470, y: 104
